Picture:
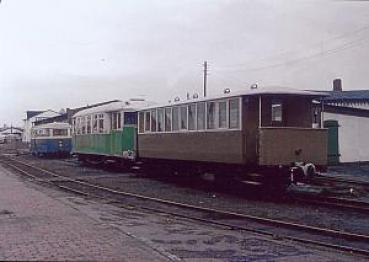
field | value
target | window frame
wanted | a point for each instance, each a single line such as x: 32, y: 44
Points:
x: 214, y: 115
x: 101, y: 117
x: 155, y: 125
x: 63, y: 129
x: 239, y: 101
x: 171, y: 119
x: 162, y: 118
x: 178, y: 108
x: 274, y: 103
x: 185, y: 107
x: 147, y: 129
x: 194, y: 117
x: 217, y: 110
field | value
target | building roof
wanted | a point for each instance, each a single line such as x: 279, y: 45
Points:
x: 12, y: 129
x: 31, y: 114
x: 343, y: 110
x: 354, y: 95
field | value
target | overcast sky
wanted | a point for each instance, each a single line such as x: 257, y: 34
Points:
x: 68, y: 53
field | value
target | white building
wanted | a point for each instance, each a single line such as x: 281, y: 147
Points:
x: 348, y: 134
x: 32, y: 117
x: 346, y: 115
x: 8, y: 134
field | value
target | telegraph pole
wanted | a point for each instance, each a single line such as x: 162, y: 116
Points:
x: 205, y: 76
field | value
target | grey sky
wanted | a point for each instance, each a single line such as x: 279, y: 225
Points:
x: 67, y: 53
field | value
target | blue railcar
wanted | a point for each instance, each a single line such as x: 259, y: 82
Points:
x: 52, y: 139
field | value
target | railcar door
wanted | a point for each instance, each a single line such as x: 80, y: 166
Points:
x: 333, y: 147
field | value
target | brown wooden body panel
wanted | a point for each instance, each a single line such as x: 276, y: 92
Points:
x: 276, y: 146
x: 221, y: 147
x: 281, y: 146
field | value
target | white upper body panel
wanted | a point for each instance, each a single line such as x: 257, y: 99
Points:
x: 259, y: 91
x: 130, y: 105
x: 55, y: 125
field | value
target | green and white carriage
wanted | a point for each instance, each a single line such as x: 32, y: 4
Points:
x: 107, y: 132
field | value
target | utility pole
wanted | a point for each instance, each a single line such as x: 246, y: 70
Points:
x: 205, y: 76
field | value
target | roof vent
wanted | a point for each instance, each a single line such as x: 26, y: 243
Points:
x: 254, y: 86
x: 136, y: 99
x: 226, y: 91
x: 337, y: 85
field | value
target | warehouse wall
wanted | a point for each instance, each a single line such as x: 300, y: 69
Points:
x: 353, y: 138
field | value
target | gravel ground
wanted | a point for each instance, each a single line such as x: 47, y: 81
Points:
x: 181, y: 239
x: 358, y: 172
x: 204, y: 195
x: 191, y: 241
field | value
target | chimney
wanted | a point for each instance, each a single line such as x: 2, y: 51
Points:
x: 337, y: 85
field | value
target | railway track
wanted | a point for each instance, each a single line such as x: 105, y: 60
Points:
x: 333, y: 202
x: 351, y: 182
x: 299, y: 233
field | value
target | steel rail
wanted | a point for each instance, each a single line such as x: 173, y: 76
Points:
x: 342, y: 180
x: 273, y: 222
x: 335, y: 202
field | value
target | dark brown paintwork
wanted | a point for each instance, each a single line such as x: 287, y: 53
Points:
x: 222, y: 147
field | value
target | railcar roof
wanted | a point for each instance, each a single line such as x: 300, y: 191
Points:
x: 55, y: 125
x: 268, y: 90
x: 132, y: 104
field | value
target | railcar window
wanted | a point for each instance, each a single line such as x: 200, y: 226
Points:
x: 234, y: 113
x: 88, y: 125
x: 200, y: 116
x: 101, y: 123
x: 211, y: 115
x: 78, y: 125
x: 276, y: 111
x: 168, y: 119
x: 192, y: 117
x: 161, y: 120
x: 147, y: 121
x: 60, y: 132
x: 114, y: 125
x: 141, y: 124
x: 94, y: 124
x: 222, y: 114
x: 183, y: 117
x: 83, y: 124
x: 119, y: 120
x: 43, y: 132
x: 153, y: 120
x: 74, y: 125
x: 130, y: 118
x: 175, y: 118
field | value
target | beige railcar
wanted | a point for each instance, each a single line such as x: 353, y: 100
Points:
x: 265, y: 130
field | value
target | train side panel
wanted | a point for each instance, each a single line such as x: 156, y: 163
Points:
x: 222, y: 147
x: 51, y: 146
x: 281, y: 146
x: 118, y: 143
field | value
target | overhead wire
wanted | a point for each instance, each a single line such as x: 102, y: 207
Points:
x: 342, y: 47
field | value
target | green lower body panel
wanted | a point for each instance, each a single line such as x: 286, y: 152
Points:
x: 117, y: 143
